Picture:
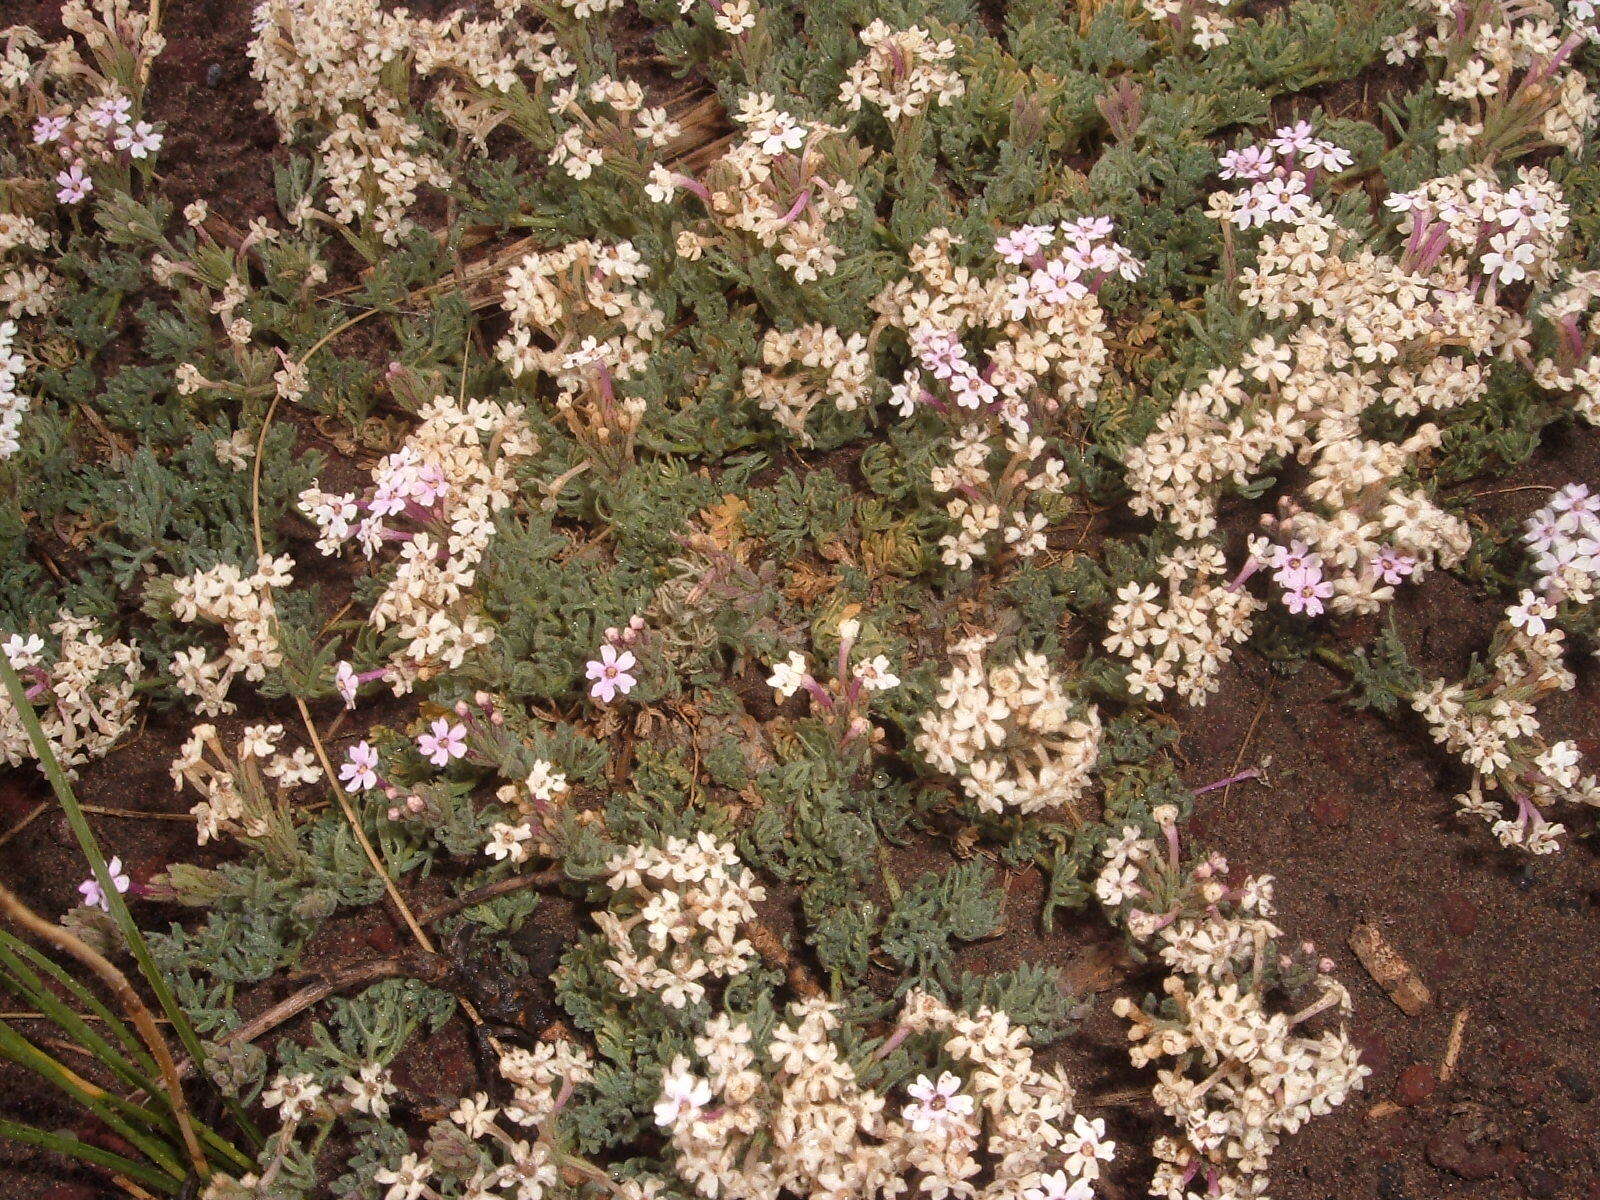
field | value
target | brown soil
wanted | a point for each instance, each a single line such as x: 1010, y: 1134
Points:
x: 1355, y: 822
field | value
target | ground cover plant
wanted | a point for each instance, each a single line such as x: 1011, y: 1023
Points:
x: 641, y: 600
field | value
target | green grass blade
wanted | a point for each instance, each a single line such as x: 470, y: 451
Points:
x: 108, y: 1108
x: 61, y: 1143
x: 139, y: 948
x: 133, y: 1048
x: 32, y: 991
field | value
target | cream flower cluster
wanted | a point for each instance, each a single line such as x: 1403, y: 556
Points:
x: 779, y: 186
x: 1350, y: 332
x: 1492, y: 724
x: 1472, y: 223
x: 1564, y: 539
x: 1205, y: 24
x: 1047, y: 354
x: 436, y: 498
x: 13, y: 404
x: 1234, y: 1074
x: 480, y: 1149
x: 1180, y: 633
x: 1509, y: 67
x: 241, y: 790
x: 1012, y: 734
x: 580, y: 314
x: 793, y: 1118
x: 533, y: 800
x: 804, y: 367
x: 323, y: 63
x: 904, y: 73
x: 1355, y: 330
x: 242, y: 604
x: 346, y: 68
x: 675, y: 917
x: 608, y: 118
x: 1574, y: 364
x: 27, y: 287
x: 84, y: 693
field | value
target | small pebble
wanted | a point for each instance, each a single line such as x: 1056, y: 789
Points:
x: 1460, y: 915
x: 1450, y: 1151
x: 1539, y: 1183
x: 1416, y: 1084
x: 1331, y: 811
x: 1392, y: 1182
x: 1576, y: 1083
x: 214, y: 75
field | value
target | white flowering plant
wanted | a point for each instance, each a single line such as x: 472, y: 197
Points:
x: 661, y: 536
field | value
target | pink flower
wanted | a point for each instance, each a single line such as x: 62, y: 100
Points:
x: 112, y: 110
x: 360, y: 769
x: 610, y: 673
x: 346, y: 680
x: 1292, y: 563
x: 48, y: 129
x: 1252, y: 162
x: 1392, y: 566
x: 74, y: 184
x: 91, y: 891
x: 444, y: 742
x: 1307, y: 595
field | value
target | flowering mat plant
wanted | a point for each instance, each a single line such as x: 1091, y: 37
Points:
x: 744, y: 599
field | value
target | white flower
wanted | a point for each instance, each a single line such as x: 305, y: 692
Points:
x: 937, y: 1104
x: 788, y: 676
x: 683, y: 1095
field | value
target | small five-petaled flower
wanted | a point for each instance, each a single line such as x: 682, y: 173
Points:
x: 610, y: 673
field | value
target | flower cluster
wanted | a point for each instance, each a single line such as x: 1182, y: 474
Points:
x: 242, y: 604
x: 675, y: 917
x: 1574, y: 362
x: 1178, y: 635
x: 779, y: 186
x: 13, y: 404
x: 533, y: 799
x: 1012, y: 734
x: 480, y: 1149
x: 1279, y: 175
x: 1490, y: 721
x: 1049, y: 358
x: 84, y: 692
x: 436, y: 498
x: 794, y: 1117
x: 324, y: 63
x: 1470, y: 223
x: 1203, y: 23
x: 1351, y: 333
x: 843, y: 705
x: 808, y: 366
x: 580, y: 315
x: 1564, y: 539
x: 1509, y: 67
x: 244, y: 792
x: 904, y: 73
x: 1237, y: 1074
x: 609, y: 120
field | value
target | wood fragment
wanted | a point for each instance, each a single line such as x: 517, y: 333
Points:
x: 1452, y: 1050
x: 1388, y: 970
x: 771, y: 947
x: 1382, y: 1109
